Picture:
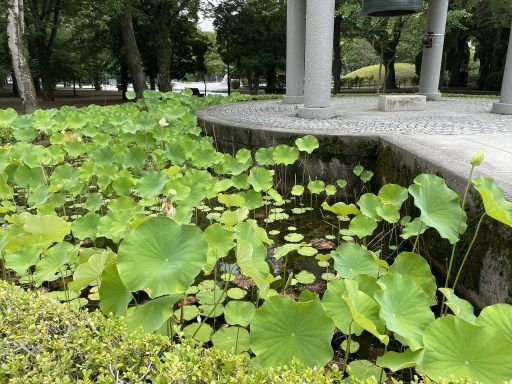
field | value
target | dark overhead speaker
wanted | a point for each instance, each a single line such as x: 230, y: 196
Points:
x: 386, y: 8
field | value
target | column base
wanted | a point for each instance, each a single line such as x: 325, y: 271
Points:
x: 432, y: 96
x: 317, y: 113
x: 502, y: 108
x: 293, y: 100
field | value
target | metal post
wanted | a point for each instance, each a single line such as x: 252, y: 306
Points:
x: 295, y: 46
x: 433, y: 49
x: 505, y: 105
x: 319, y: 47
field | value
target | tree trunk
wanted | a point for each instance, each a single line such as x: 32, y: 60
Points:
x: 336, y: 61
x: 19, y: 55
x: 97, y: 81
x: 458, y: 60
x: 271, y: 80
x: 389, y: 63
x: 152, y: 83
x: 133, y: 59
x: 163, y: 51
x: 124, y: 79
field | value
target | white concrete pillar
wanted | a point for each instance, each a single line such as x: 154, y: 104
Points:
x: 433, y: 49
x: 295, y: 47
x: 505, y: 105
x: 319, y: 45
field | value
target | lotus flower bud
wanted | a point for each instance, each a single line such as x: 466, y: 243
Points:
x: 477, y: 158
x: 163, y: 122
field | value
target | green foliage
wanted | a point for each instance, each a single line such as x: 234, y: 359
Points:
x: 130, y: 209
x: 404, y: 72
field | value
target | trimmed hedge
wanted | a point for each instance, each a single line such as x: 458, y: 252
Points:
x: 44, y: 341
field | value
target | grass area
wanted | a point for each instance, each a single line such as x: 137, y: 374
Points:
x: 404, y: 72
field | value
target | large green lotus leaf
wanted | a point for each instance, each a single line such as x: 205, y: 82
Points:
x: 364, y: 311
x: 337, y: 309
x: 460, y: 307
x: 341, y: 209
x: 416, y: 267
x: 44, y: 230
x: 298, y: 190
x: 453, y: 347
x: 199, y: 332
x: 284, y: 154
x: 22, y: 260
x: 413, y: 228
x: 232, y: 340
x: 86, y: 226
x: 440, y: 206
x: 114, y: 296
x: 6, y: 191
x: 22, y: 129
x: 90, y: 271
x: 253, y: 199
x: 351, y: 260
x: 282, y: 329
x: 397, y: 361
x: 241, y: 182
x: 368, y: 203
x: 497, y: 316
x: 363, y: 369
x: 316, y: 186
x: 393, y: 194
x: 362, y: 226
x: 152, y: 315
x: 232, y: 218
x: 284, y: 250
x: 204, y: 157
x: 244, y: 156
x: 261, y: 179
x: 114, y: 226
x: 7, y: 117
x: 123, y: 183
x: 494, y: 202
x: 233, y: 200
x: 239, y: 312
x: 252, y: 264
x: 307, y: 144
x: 220, y: 242
x: 265, y: 156
x: 29, y: 177
x: 367, y: 284
x: 54, y: 260
x: 151, y: 185
x: 404, y: 308
x: 161, y: 256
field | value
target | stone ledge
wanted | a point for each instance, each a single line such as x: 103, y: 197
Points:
x: 396, y: 103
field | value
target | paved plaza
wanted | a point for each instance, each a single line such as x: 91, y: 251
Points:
x: 360, y: 116
x: 444, y: 136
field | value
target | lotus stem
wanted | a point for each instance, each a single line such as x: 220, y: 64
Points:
x: 417, y: 238
x: 347, y: 351
x: 469, y: 250
x: 454, y: 247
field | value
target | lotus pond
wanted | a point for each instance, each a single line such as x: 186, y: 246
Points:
x: 130, y: 210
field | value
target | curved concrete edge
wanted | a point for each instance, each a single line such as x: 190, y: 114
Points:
x: 398, y: 159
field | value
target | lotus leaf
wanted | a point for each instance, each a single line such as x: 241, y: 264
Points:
x: 461, y: 308
x: 297, y: 190
x: 239, y: 312
x: 455, y: 347
x: 307, y: 144
x: 284, y: 154
x: 114, y: 296
x: 351, y: 260
x: 162, y: 257
x: 282, y: 329
x: 363, y: 369
x: 316, y: 187
x: 494, y: 202
x: 440, y: 206
x: 362, y: 226
x: 260, y: 179
x: 152, y: 315
x: 396, y: 361
x: 203, y: 332
x: 498, y: 316
x: 341, y: 209
x: 416, y: 267
x: 337, y: 309
x: 265, y: 156
x: 413, y: 228
x: 405, y: 308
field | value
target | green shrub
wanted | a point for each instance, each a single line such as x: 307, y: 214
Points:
x: 235, y: 84
x: 47, y: 342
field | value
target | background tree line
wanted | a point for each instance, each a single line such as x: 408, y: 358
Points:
x: 151, y: 42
